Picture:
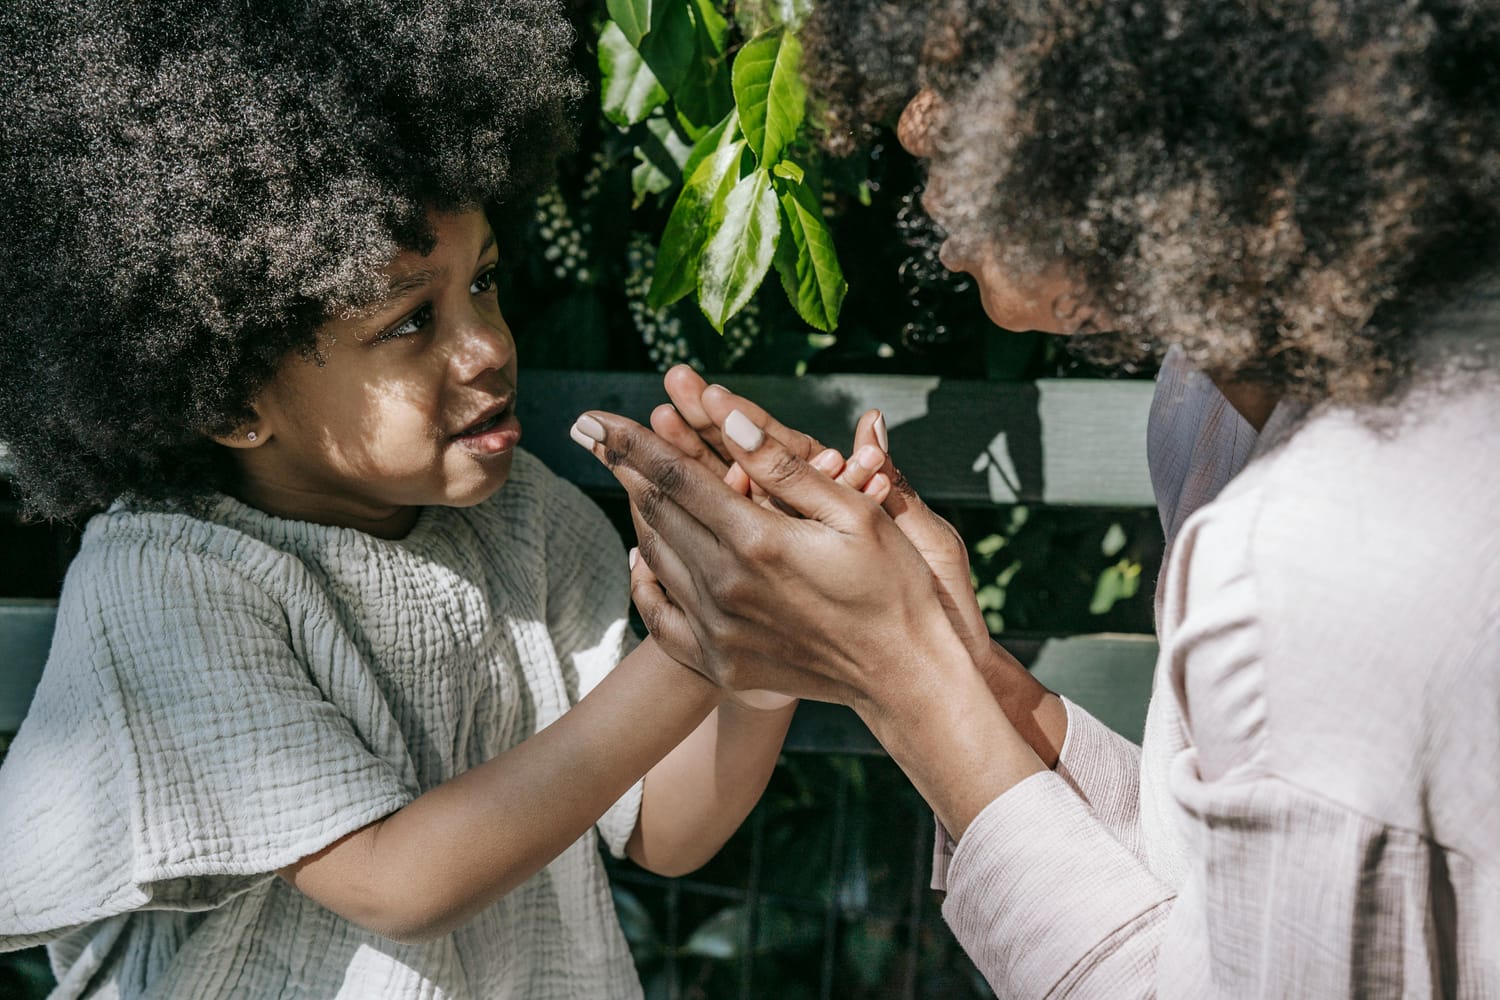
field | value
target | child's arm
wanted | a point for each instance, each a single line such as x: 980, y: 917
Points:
x: 427, y: 868
x: 702, y: 791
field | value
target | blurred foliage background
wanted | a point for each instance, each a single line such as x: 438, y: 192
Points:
x: 830, y: 873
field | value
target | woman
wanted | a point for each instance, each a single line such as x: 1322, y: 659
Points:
x: 1298, y: 205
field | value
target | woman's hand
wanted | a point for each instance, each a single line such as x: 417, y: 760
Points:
x: 694, y: 423
x: 835, y: 606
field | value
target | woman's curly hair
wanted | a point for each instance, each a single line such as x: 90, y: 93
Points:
x: 1282, y: 187
x: 192, y: 186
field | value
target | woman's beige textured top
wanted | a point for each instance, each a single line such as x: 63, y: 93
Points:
x: 1316, y: 810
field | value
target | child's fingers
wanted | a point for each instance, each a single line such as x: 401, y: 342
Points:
x: 672, y: 428
x: 738, y: 480
x: 871, y: 430
x: 867, y: 461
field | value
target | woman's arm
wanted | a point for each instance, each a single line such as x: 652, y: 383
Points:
x: 427, y: 868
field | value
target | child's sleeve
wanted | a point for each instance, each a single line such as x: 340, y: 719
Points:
x: 180, y: 749
x: 588, y: 613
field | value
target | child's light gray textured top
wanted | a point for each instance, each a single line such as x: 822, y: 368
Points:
x: 227, y: 696
x: 1316, y: 811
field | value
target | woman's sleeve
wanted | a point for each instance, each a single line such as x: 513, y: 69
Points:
x: 1287, y: 892
x: 1101, y: 766
x: 178, y: 751
x: 588, y: 615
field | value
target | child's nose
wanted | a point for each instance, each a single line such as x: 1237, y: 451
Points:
x: 486, y: 346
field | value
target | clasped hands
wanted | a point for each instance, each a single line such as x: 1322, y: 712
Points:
x: 768, y: 562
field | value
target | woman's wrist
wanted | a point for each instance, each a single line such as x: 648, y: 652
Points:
x: 954, y: 742
x: 1037, y: 713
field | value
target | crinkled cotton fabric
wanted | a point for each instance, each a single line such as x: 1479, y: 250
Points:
x: 226, y: 695
x: 1316, y: 811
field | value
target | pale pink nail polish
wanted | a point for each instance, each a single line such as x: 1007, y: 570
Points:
x: 743, y: 432
x: 880, y: 434
x: 589, y: 428
x: 635, y: 553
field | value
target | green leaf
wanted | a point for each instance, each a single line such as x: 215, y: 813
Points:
x: 713, y: 30
x: 630, y: 90
x: 807, y: 261
x: 705, y: 96
x: 689, y: 226
x: 789, y: 171
x: 721, y: 135
x: 633, y: 17
x: 1117, y: 583
x: 662, y: 155
x: 739, y: 253
x: 1114, y: 540
x: 721, y: 936
x: 769, y: 93
x: 670, y: 47
x: 635, y: 921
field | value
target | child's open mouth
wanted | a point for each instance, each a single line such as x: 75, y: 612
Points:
x: 498, y: 432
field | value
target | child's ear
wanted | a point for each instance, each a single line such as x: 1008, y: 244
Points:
x: 248, y: 435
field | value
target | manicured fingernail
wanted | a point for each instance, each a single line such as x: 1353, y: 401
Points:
x: 870, y: 457
x: 743, y: 432
x: 880, y: 436
x: 635, y: 554
x: 588, y: 429
x: 581, y: 439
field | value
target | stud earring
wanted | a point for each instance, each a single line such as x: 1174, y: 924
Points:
x: 251, y: 436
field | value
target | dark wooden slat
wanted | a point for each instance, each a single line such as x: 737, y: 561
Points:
x: 1107, y: 675
x: 1057, y: 441
x: 25, y: 637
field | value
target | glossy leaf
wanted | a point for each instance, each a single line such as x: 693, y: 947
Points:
x: 714, y: 29
x: 740, y: 251
x: 807, y: 261
x: 661, y: 158
x: 721, y: 135
x: 633, y: 17
x: 629, y: 90
x: 705, y: 95
x: 688, y: 227
x: 723, y: 935
x: 669, y: 48
x: 769, y: 93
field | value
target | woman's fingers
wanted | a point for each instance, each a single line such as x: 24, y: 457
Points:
x: 686, y: 388
x: 663, y: 619
x: 788, y: 479
x: 680, y: 500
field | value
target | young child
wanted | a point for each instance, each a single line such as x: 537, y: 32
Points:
x: 333, y: 706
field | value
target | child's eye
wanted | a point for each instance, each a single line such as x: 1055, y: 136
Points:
x: 484, y: 283
x: 408, y: 326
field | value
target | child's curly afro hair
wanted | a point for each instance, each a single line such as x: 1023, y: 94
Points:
x: 1283, y: 188
x: 190, y: 186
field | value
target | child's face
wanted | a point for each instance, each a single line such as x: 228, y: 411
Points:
x: 413, y: 405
